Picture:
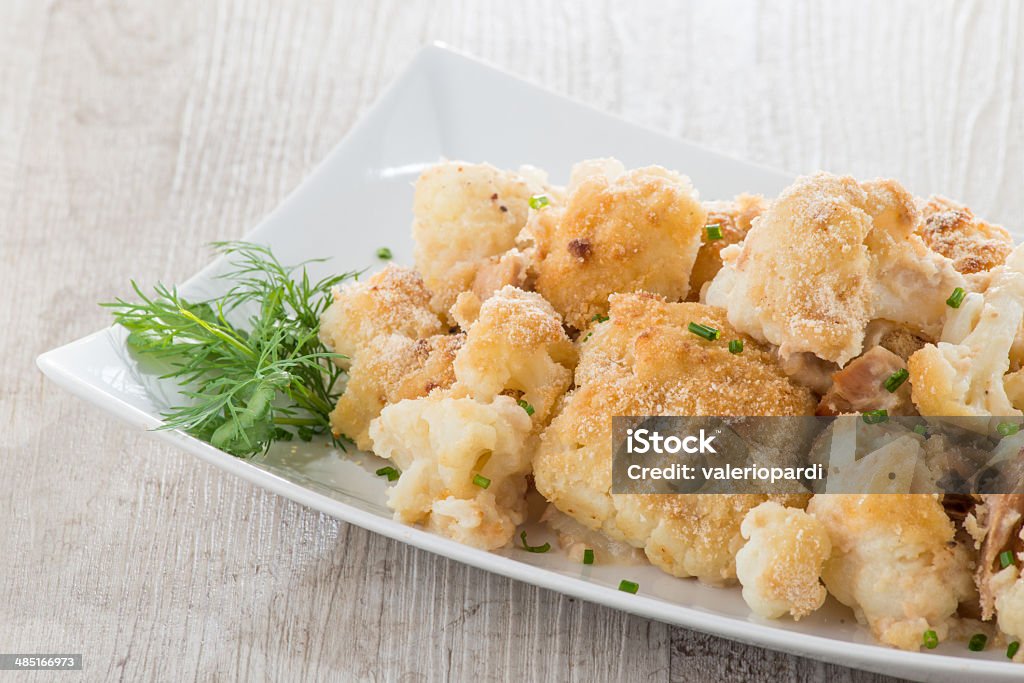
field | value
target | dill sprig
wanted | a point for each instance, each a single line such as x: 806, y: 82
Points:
x: 247, y: 386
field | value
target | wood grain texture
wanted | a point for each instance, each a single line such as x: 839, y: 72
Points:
x: 133, y: 133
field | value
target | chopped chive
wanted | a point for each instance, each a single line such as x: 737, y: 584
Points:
x: 896, y: 380
x: 589, y: 335
x: 714, y: 231
x: 481, y: 481
x: 384, y: 253
x: 533, y: 548
x: 628, y: 586
x: 930, y: 639
x: 736, y: 346
x: 709, y: 333
x: 588, y: 556
x: 1006, y: 559
x: 921, y: 429
x: 977, y: 642
x: 1012, y: 648
x: 956, y: 298
x: 1007, y: 428
x: 539, y: 201
x: 390, y: 472
x: 598, y: 318
x: 873, y: 417
x: 526, y: 406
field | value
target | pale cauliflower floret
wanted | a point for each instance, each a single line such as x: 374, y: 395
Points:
x: 517, y: 344
x: 389, y: 369
x: 440, y: 443
x: 894, y: 562
x: 463, y: 215
x: 1008, y: 587
x: 643, y: 361
x: 393, y: 301
x: 829, y: 256
x: 780, y: 565
x: 965, y: 374
x: 616, y: 231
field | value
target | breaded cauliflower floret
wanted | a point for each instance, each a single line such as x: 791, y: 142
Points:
x: 616, y: 231
x: 441, y: 443
x: 780, y: 565
x: 393, y: 301
x: 895, y: 563
x: 954, y: 231
x: 389, y: 369
x: 643, y: 361
x: 734, y: 217
x: 463, y: 215
x: 517, y: 344
x: 963, y: 375
x: 829, y: 256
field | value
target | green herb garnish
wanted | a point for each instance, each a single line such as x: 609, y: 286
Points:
x: 628, y: 586
x: 714, y: 231
x: 736, y: 346
x: 247, y: 384
x: 598, y: 318
x: 873, y: 417
x: 390, y: 472
x: 588, y: 556
x: 539, y: 201
x: 921, y: 429
x: 1012, y: 649
x: 709, y: 333
x: 384, y: 254
x: 1006, y: 559
x: 533, y: 548
x: 526, y: 406
x: 956, y: 298
x: 977, y: 642
x: 1007, y: 428
x: 930, y: 639
x: 481, y: 481
x: 896, y: 380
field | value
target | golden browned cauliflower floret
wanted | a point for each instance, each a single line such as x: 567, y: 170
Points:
x: 389, y: 369
x: 965, y: 374
x: 463, y: 215
x: 954, y: 231
x: 643, y: 361
x: 616, y: 231
x: 829, y: 256
x: 780, y: 565
x: 517, y: 344
x: 393, y: 301
x: 441, y: 443
x: 734, y: 219
x: 895, y: 563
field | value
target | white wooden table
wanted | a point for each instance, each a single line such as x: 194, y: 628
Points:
x: 133, y: 133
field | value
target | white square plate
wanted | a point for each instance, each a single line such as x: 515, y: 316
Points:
x: 360, y: 199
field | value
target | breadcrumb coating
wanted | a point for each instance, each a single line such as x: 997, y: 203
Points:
x: 463, y: 215
x: 643, y: 361
x: 829, y: 256
x: 389, y: 369
x: 780, y: 565
x: 965, y: 374
x: 953, y: 230
x: 895, y: 562
x: 616, y: 231
x: 734, y: 217
x: 393, y: 301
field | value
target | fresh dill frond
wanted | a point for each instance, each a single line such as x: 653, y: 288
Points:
x: 250, y: 385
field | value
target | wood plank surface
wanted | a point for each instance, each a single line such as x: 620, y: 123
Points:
x: 133, y: 133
